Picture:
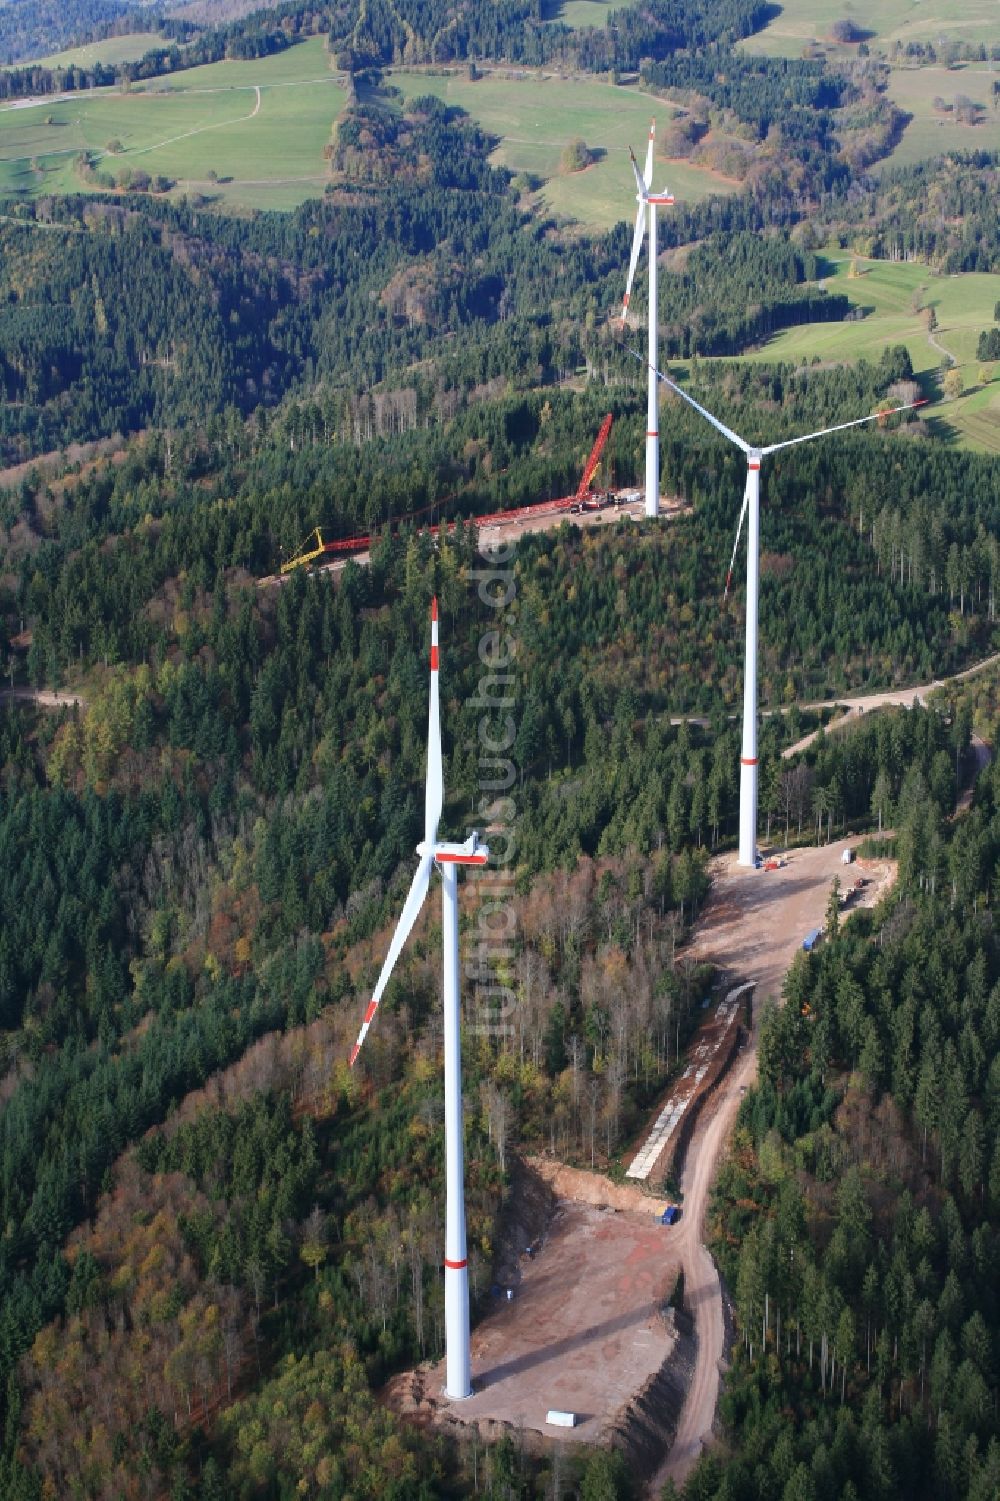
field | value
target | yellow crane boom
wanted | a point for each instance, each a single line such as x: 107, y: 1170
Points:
x: 307, y: 552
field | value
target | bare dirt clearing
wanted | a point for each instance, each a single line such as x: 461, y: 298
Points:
x: 585, y: 1331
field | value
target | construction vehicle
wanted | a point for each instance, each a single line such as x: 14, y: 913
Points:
x: 306, y: 554
x: 316, y: 546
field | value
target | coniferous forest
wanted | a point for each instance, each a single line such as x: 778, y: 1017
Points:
x: 218, y: 1243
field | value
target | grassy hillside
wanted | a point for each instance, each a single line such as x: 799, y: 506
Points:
x: 583, y: 12
x: 113, y: 49
x: 797, y: 22
x: 537, y: 117
x: 933, y: 131
x: 270, y: 154
x: 265, y: 148
x: 894, y: 298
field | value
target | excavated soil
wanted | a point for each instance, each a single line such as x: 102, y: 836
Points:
x: 587, y: 1331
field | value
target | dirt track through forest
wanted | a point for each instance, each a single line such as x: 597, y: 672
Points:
x: 45, y: 698
x: 753, y: 926
x: 857, y: 704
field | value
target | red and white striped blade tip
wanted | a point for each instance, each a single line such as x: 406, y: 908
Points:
x: 434, y: 608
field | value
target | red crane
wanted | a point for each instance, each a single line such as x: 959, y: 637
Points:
x: 590, y: 468
x: 316, y: 546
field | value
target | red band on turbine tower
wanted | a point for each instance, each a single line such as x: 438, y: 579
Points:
x: 748, y: 760
x: 754, y: 465
x: 434, y: 659
x: 455, y: 1266
x: 652, y: 435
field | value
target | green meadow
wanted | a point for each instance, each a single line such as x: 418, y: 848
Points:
x: 932, y: 131
x: 536, y: 117
x: 114, y: 49
x: 260, y: 127
x: 580, y: 13
x: 798, y: 22
x: 893, y: 298
x: 253, y: 133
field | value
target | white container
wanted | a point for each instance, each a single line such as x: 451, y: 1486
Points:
x: 560, y: 1419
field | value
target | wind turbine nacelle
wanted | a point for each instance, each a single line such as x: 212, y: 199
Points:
x: 472, y: 852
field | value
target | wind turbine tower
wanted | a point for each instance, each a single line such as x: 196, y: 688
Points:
x: 648, y: 204
x: 751, y: 511
x: 447, y: 858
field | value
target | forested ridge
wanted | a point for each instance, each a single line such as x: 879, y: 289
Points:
x: 379, y: 32
x: 283, y: 302
x: 274, y: 739
x: 218, y: 1241
x: 117, y: 1025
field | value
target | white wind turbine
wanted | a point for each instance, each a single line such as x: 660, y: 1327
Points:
x: 751, y: 506
x: 458, y: 1362
x: 650, y: 201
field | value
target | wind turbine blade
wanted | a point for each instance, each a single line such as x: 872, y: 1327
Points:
x: 640, y: 185
x: 411, y: 910
x: 647, y: 175
x: 640, y: 229
x: 739, y: 530
x: 858, y: 422
x: 434, y: 799
x: 720, y: 427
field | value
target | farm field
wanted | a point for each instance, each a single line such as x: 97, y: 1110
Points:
x: 113, y: 49
x: 931, y: 132
x: 801, y: 21
x: 259, y: 126
x: 886, y: 290
x: 580, y: 13
x: 536, y: 118
x: 266, y: 149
